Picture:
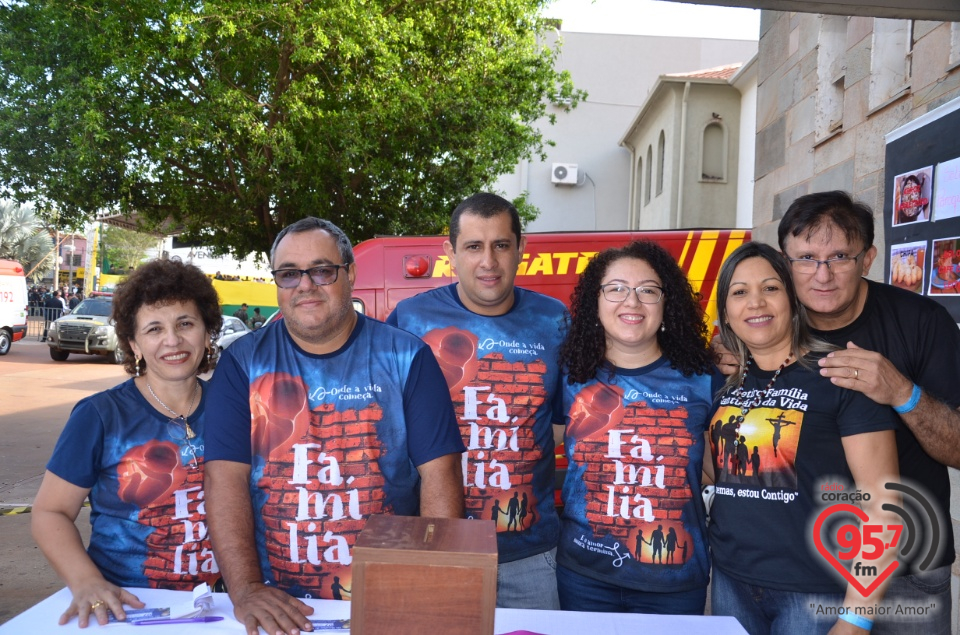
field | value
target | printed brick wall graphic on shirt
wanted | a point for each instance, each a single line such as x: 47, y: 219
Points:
x: 325, y: 463
x: 153, y: 477
x: 633, y: 458
x: 490, y: 395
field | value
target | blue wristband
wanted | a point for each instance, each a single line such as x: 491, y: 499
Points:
x: 911, y: 403
x: 856, y: 620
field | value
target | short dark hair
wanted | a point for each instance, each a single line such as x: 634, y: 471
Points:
x: 484, y: 205
x: 164, y: 282
x: 802, y: 340
x: 810, y: 212
x: 312, y: 223
x: 684, y: 342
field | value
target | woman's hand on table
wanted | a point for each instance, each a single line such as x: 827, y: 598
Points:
x: 93, y: 598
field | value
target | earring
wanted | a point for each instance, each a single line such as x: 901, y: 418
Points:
x: 209, y: 354
x: 663, y: 327
x: 137, y: 365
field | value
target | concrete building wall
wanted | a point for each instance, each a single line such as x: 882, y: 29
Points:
x: 702, y: 201
x: 653, y: 209
x: 617, y: 71
x: 746, y: 82
x: 681, y: 110
x: 792, y: 156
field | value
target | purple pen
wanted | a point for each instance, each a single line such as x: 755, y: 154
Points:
x: 186, y: 620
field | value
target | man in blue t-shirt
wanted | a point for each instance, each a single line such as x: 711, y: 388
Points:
x: 322, y: 419
x: 497, y: 346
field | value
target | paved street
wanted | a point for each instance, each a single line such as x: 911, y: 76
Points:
x: 36, y: 396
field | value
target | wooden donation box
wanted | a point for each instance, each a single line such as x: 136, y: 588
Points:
x: 424, y: 575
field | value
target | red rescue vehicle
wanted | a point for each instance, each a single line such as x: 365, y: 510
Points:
x: 392, y: 269
x: 13, y: 304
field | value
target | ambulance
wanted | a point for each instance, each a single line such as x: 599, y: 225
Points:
x: 13, y: 304
x: 391, y: 269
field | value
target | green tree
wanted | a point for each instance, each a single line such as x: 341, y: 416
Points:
x: 24, y: 238
x: 126, y: 248
x: 233, y: 118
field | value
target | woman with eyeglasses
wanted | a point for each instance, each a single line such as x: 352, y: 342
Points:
x: 812, y: 440
x: 137, y: 451
x: 639, y: 380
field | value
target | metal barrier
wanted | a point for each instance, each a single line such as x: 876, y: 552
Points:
x: 39, y: 321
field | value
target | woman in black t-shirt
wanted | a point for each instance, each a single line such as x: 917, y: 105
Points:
x: 807, y: 435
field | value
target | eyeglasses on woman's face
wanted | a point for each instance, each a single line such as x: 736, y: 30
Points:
x: 646, y: 294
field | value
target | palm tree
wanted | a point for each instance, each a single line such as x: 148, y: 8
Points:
x: 24, y: 239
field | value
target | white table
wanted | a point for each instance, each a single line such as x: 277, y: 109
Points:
x: 42, y: 619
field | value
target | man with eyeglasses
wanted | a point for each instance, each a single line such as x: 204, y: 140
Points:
x: 323, y: 419
x: 900, y: 349
x: 497, y: 345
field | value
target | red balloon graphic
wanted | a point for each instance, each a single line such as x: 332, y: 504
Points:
x: 280, y: 413
x: 150, y: 472
x: 456, y: 352
x: 595, y: 408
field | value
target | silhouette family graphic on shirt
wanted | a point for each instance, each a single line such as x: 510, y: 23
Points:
x: 760, y: 450
x: 658, y: 543
x: 518, y: 516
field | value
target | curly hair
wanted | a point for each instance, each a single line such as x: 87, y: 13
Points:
x: 164, y: 282
x: 685, y: 341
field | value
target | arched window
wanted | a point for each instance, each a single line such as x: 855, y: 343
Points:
x: 646, y: 188
x: 661, y: 151
x: 639, y: 190
x: 713, y: 157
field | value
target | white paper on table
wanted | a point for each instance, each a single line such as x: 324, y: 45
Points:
x: 202, y: 601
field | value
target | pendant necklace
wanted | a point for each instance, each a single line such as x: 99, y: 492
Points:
x: 186, y: 425
x: 761, y: 396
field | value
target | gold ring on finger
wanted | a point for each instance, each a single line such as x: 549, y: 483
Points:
x: 96, y: 605
x: 856, y: 373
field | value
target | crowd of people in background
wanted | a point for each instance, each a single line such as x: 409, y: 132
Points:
x: 235, y: 278
x: 39, y: 298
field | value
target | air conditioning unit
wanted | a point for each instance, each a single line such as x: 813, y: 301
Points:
x: 564, y: 174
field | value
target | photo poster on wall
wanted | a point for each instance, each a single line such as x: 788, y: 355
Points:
x: 930, y: 141
x: 906, y: 266
x: 911, y: 196
x: 946, y: 197
x: 945, y: 267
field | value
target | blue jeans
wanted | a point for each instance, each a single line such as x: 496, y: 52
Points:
x: 919, y: 590
x: 529, y: 583
x: 764, y: 611
x: 580, y: 593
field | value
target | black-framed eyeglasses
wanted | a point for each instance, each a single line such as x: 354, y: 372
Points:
x: 321, y: 275
x: 647, y: 294
x: 840, y: 264
x: 178, y: 431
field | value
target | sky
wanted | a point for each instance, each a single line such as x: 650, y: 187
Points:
x: 656, y: 17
